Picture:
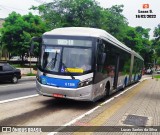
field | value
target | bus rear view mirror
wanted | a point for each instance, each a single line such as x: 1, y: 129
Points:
x: 33, y: 40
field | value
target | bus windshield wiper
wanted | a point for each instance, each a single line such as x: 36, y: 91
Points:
x: 53, y: 61
x: 68, y: 71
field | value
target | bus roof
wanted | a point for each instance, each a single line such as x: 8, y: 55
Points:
x: 89, y: 32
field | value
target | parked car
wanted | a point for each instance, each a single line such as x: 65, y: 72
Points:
x: 9, y: 73
x: 15, y: 58
x: 158, y: 71
x: 149, y: 71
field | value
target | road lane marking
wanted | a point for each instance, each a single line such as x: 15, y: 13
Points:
x: 19, y: 98
x: 16, y: 85
x: 92, y: 110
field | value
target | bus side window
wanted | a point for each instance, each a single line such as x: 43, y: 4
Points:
x: 109, y: 65
x: 101, y: 50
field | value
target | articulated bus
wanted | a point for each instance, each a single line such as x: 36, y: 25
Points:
x: 84, y: 64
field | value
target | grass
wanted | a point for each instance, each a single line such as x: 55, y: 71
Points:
x: 157, y: 76
x: 31, y: 74
x: 23, y: 66
x: 17, y: 66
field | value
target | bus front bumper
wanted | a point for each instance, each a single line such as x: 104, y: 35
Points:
x: 82, y: 93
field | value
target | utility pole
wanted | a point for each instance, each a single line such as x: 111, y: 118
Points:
x: 30, y: 61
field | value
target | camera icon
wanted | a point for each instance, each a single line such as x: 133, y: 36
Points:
x: 145, y: 5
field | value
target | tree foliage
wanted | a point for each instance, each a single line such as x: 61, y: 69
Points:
x: 83, y: 13
x: 18, y: 30
x: 115, y: 22
x: 156, y: 43
x: 157, y: 33
x: 137, y: 38
x: 65, y: 13
x: 88, y: 13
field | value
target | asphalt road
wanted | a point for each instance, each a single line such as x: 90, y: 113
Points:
x: 38, y: 110
x: 24, y: 87
x: 41, y: 111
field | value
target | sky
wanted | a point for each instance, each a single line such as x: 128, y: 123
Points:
x: 130, y: 11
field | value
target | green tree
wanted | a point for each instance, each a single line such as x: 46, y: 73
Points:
x: 158, y: 61
x: 88, y: 13
x: 156, y: 41
x: 114, y: 21
x: 18, y: 30
x: 143, y: 33
x: 84, y: 13
x: 157, y: 33
x: 137, y: 38
x: 132, y: 39
x: 65, y: 13
x: 3, y: 49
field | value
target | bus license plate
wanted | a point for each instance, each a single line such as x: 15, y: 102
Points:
x: 58, y: 95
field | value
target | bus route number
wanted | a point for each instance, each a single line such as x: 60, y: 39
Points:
x: 65, y: 42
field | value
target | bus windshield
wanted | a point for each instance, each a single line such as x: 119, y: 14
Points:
x: 63, y: 59
x: 51, y: 58
x: 77, y: 58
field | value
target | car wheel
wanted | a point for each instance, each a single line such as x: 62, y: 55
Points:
x: 14, y: 79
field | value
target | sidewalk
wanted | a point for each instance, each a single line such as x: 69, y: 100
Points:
x: 137, y: 107
x: 28, y: 78
x: 25, y: 71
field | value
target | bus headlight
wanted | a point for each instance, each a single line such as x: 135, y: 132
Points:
x: 85, y: 82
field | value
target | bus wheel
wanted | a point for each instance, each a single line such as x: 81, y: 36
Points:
x: 107, y: 89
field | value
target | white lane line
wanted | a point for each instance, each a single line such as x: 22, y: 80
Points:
x: 15, y: 99
x: 16, y: 85
x: 92, y: 110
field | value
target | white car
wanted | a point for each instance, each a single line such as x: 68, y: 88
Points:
x: 15, y: 58
x: 149, y: 71
x: 158, y: 71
